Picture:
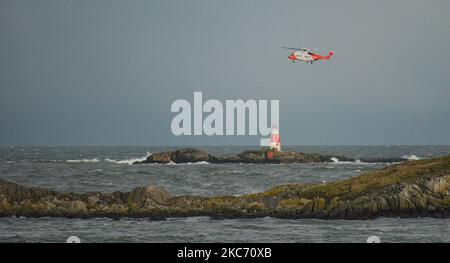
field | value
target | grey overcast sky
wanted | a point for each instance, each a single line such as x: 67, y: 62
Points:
x: 105, y: 72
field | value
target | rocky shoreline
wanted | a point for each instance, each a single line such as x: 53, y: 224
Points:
x: 412, y: 189
x: 262, y: 156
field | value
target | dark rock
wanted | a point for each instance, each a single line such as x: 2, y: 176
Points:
x: 261, y: 156
x: 76, y: 206
x: 179, y: 156
x: 190, y: 156
x: 148, y: 196
x: 256, y: 156
x: 16, y: 193
x: 411, y: 189
x: 266, y: 156
x: 164, y: 157
x: 383, y: 160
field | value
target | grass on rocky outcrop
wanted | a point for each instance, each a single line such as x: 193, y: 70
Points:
x: 413, y: 171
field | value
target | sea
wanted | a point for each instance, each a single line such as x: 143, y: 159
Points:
x: 109, y: 169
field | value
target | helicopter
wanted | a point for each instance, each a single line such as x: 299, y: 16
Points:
x: 306, y: 55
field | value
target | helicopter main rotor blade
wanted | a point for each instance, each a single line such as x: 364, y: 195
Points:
x: 293, y: 48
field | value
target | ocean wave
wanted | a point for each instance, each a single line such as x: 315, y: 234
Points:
x: 336, y: 161
x: 356, y: 162
x: 202, y: 162
x: 94, y: 160
x: 125, y: 161
x: 128, y: 161
x: 193, y: 219
x: 189, y: 163
x: 412, y: 157
x: 44, y: 161
x: 25, y: 161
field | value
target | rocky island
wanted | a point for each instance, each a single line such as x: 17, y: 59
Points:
x: 261, y: 156
x: 411, y: 189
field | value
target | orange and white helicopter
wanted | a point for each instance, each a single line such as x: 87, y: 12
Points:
x: 305, y: 54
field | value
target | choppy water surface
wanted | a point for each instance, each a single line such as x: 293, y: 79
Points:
x: 107, y: 169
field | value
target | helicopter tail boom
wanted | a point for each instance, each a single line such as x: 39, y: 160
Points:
x: 329, y: 55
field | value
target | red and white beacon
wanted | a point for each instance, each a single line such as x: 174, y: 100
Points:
x: 274, y: 143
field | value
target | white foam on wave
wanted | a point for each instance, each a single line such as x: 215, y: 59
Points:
x: 412, y: 157
x: 202, y: 162
x: 128, y: 161
x: 94, y: 160
x: 125, y: 161
x: 357, y: 162
x: 336, y: 160
x: 189, y: 163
